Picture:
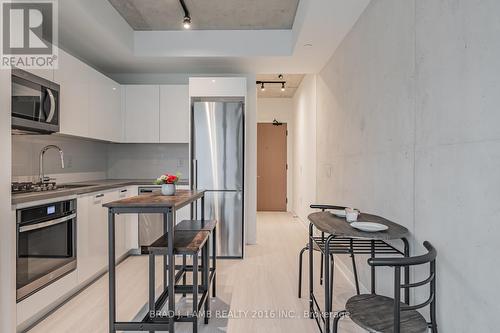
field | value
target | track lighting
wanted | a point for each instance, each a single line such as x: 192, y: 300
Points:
x: 263, y: 83
x: 186, y: 22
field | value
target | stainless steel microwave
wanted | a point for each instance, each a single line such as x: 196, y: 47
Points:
x: 35, y: 103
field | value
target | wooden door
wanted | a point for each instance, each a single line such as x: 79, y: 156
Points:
x: 271, y: 167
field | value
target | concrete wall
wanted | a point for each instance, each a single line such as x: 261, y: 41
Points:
x: 282, y: 110
x: 408, y: 128
x: 7, y: 225
x: 304, y: 147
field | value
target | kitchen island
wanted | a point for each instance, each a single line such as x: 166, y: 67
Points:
x: 155, y: 203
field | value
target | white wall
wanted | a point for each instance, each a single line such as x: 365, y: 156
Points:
x: 280, y: 109
x: 7, y: 222
x: 304, y: 147
x: 408, y: 128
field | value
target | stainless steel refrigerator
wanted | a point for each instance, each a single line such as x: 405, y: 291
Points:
x: 217, y: 149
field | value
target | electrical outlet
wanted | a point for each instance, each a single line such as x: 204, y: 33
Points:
x: 68, y: 163
x: 328, y: 170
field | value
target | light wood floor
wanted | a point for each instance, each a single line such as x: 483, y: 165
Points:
x: 251, y: 291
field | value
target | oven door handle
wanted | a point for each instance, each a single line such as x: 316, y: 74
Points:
x: 46, y: 224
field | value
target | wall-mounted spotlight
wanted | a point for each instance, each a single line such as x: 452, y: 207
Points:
x: 186, y: 22
x: 262, y: 87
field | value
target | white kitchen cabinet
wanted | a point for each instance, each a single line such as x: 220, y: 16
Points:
x: 122, y: 225
x: 104, y: 111
x: 92, y: 245
x: 92, y: 231
x: 174, y: 113
x: 132, y: 232
x: 142, y: 114
x: 73, y: 76
x: 185, y: 212
x: 217, y: 86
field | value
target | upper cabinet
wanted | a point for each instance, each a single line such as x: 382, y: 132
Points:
x: 90, y: 101
x: 142, y: 114
x: 96, y: 107
x: 217, y: 87
x: 104, y: 108
x: 174, y: 114
x: 74, y: 78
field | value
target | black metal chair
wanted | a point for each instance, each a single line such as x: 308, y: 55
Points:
x: 316, y: 248
x: 377, y: 313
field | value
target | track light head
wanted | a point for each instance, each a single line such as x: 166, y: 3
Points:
x: 186, y: 22
x: 283, y: 86
x: 262, y: 87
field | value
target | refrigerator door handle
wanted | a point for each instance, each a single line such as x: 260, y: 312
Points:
x: 195, y: 174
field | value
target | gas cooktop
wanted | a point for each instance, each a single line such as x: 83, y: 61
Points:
x: 19, y: 188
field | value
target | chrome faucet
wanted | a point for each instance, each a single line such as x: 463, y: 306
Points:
x: 42, y: 153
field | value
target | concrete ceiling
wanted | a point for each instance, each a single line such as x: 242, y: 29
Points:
x: 95, y: 32
x: 274, y: 90
x: 208, y: 14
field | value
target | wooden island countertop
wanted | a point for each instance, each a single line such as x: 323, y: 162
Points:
x: 157, y: 200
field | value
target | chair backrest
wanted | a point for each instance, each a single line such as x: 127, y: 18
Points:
x: 397, y: 263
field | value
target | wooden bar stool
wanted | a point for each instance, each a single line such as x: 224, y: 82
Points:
x: 190, y: 243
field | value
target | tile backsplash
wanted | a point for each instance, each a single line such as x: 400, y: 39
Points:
x: 82, y: 158
x: 146, y: 161
x: 92, y: 160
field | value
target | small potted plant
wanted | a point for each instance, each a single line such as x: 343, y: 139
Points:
x: 167, y: 183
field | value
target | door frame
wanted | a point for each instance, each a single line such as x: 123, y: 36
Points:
x: 289, y: 171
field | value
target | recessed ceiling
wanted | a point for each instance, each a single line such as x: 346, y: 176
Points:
x: 95, y: 32
x: 274, y: 90
x: 208, y: 14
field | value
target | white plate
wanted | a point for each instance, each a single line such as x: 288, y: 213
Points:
x: 338, y: 212
x: 369, y: 226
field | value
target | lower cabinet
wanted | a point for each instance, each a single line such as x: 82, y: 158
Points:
x: 92, y: 232
x: 92, y: 236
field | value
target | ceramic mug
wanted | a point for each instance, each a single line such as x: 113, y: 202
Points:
x: 351, y: 214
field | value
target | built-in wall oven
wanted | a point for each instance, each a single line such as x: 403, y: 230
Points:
x: 35, y: 103
x: 46, y: 245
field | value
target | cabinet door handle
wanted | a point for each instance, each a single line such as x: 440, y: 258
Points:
x: 99, y: 196
x: 123, y: 191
